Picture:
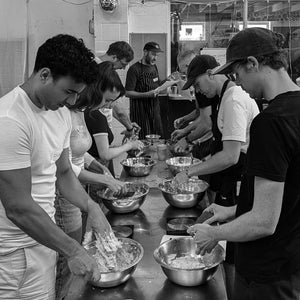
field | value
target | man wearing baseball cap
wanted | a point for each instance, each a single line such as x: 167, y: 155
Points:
x: 265, y: 224
x: 231, y: 117
x: 142, y: 87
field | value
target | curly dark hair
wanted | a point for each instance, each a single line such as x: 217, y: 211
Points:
x: 66, y: 55
x: 122, y: 50
x: 107, y: 79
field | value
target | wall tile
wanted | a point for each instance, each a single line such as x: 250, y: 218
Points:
x: 111, y: 32
x: 102, y: 46
x: 124, y: 36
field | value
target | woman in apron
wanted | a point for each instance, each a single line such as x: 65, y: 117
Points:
x: 231, y: 119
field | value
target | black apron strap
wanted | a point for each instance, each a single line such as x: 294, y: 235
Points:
x: 224, y: 181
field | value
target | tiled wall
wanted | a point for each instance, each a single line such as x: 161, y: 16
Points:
x: 111, y: 27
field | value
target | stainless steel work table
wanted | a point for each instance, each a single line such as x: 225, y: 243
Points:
x: 148, y: 281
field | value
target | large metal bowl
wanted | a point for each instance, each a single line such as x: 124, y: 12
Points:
x: 178, y: 164
x: 126, y: 204
x: 188, y: 195
x: 137, y: 152
x: 114, y: 278
x: 138, y: 166
x: 186, y: 246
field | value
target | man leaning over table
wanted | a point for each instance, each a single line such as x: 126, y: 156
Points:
x: 34, y: 157
x: 265, y: 224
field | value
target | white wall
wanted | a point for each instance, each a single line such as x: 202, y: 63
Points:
x: 151, y: 17
x: 50, y: 17
x: 12, y: 44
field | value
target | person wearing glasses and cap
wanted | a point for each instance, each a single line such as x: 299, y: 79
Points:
x: 142, y: 87
x: 120, y: 54
x: 265, y: 224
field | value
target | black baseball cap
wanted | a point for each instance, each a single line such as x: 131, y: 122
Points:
x: 199, y: 65
x: 152, y: 46
x: 248, y: 42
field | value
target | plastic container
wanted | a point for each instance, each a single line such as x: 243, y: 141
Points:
x: 162, y: 151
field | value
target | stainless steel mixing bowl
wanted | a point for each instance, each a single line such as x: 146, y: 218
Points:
x: 114, y: 278
x: 178, y: 164
x: 138, y: 166
x: 127, y: 204
x: 185, y: 246
x: 137, y: 152
x: 188, y: 195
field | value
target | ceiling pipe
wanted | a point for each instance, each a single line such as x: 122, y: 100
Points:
x: 245, y: 14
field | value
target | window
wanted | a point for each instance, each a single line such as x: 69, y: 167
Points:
x: 251, y: 24
x: 192, y: 32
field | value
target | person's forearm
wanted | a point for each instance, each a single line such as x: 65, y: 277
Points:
x: 191, y: 116
x: 247, y: 227
x: 135, y: 95
x: 113, y: 152
x: 35, y: 222
x: 70, y: 187
x: 200, y: 128
x: 188, y: 129
x: 91, y: 177
x: 122, y: 117
x: 218, y: 162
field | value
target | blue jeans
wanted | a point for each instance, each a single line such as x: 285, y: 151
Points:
x: 68, y: 218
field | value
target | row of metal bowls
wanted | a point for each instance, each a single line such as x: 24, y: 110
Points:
x: 186, y: 196
x: 178, y: 246
x: 142, y: 166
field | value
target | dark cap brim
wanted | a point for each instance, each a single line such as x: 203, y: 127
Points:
x: 189, y: 82
x: 225, y: 69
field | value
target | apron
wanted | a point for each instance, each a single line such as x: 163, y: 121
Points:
x: 224, y: 182
x: 146, y: 111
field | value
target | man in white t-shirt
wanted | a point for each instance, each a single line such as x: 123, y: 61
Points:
x: 34, y: 157
x: 231, y: 117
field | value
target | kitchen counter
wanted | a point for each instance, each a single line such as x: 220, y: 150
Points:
x: 148, y: 281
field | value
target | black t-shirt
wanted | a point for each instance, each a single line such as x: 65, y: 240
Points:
x: 142, y: 78
x: 97, y: 123
x: 274, y: 154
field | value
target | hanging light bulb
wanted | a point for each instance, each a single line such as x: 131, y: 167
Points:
x: 109, y: 6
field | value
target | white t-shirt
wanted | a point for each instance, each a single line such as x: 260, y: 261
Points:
x: 35, y: 138
x: 236, y: 112
x: 108, y: 113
